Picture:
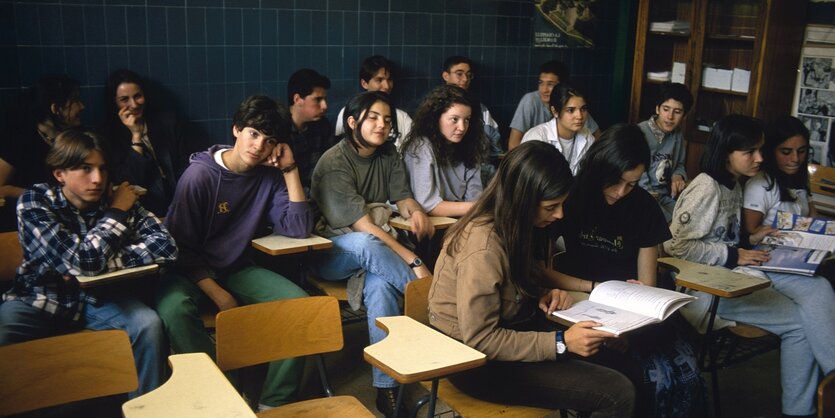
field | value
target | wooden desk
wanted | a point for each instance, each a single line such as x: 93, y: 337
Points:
x: 717, y: 281
x: 281, y: 245
x: 413, y: 352
x: 439, y: 222
x: 197, y: 388
x: 113, y: 276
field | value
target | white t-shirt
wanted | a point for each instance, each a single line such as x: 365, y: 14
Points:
x: 547, y: 132
x: 768, y: 202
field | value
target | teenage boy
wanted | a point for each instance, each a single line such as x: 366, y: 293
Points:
x: 222, y: 200
x: 77, y: 224
x: 534, y: 108
x: 311, y: 133
x: 666, y: 175
x: 376, y: 75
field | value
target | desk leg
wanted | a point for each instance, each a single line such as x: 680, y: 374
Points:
x: 714, y: 305
x: 706, y: 343
x: 432, y: 399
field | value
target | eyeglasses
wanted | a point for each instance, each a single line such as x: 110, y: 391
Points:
x: 461, y: 74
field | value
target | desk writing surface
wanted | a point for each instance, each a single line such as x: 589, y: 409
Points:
x: 197, y: 388
x: 714, y: 280
x: 412, y: 351
x: 279, y: 244
x: 99, y: 279
x: 439, y: 222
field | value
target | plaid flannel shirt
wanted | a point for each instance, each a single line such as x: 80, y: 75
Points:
x: 59, y: 241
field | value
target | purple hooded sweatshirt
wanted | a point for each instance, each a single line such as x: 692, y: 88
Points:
x: 216, y: 212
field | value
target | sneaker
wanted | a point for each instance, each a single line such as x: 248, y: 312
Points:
x: 387, y: 401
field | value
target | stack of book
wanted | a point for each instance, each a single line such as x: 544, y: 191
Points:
x: 671, y: 26
x: 659, y: 76
x: 820, y: 33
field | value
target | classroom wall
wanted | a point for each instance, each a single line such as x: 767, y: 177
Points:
x: 206, y: 56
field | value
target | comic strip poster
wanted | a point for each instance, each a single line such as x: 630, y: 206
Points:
x: 563, y: 24
x: 814, y: 102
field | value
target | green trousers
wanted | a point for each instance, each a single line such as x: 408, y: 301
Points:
x: 177, y: 304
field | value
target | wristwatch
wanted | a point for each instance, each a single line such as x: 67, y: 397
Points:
x: 560, y: 338
x: 417, y: 262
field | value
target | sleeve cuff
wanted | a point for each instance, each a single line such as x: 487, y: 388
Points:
x: 733, y: 258
x: 117, y: 215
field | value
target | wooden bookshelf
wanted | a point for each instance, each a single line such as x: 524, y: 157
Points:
x: 761, y: 36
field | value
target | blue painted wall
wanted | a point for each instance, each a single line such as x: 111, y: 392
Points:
x: 208, y: 55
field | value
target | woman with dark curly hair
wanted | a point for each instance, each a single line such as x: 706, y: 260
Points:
x: 444, y: 154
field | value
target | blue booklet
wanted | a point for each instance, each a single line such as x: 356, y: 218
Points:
x: 800, y: 245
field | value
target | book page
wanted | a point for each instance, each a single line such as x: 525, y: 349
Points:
x: 643, y: 300
x: 802, y: 232
x: 614, y: 320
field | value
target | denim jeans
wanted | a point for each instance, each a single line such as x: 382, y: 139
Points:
x: 21, y: 322
x: 385, y: 280
x: 773, y: 311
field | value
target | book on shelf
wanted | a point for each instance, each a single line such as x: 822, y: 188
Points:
x: 621, y: 307
x: 658, y: 75
x: 800, y: 244
x: 681, y: 26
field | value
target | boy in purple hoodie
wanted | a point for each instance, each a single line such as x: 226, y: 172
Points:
x: 221, y: 200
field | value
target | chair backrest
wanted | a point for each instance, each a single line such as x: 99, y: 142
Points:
x: 826, y: 397
x: 57, y: 370
x: 12, y: 256
x: 416, y: 305
x: 270, y: 331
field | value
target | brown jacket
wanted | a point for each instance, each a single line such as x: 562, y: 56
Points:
x: 472, y: 300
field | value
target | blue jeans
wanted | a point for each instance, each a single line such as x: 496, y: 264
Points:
x: 385, y: 280
x: 21, y: 322
x: 773, y: 311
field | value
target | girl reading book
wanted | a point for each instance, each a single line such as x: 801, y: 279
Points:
x: 487, y: 288
x: 706, y: 229
x: 612, y: 229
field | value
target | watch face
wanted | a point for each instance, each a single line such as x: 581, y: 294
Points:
x: 560, y: 347
x: 417, y: 262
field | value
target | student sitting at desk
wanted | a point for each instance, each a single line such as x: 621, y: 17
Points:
x: 351, y: 184
x: 77, y: 225
x: 566, y: 131
x: 50, y: 106
x: 485, y: 293
x: 612, y: 229
x: 222, y: 201
x: 706, y: 229
x: 443, y: 153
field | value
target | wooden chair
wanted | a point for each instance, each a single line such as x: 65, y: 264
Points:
x: 58, y: 370
x: 12, y: 257
x: 417, y: 307
x: 265, y: 332
x: 826, y: 397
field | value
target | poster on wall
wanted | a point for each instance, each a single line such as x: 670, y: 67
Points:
x: 814, y: 101
x: 563, y: 24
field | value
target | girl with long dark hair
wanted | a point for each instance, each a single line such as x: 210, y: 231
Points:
x: 706, y: 229
x: 488, y: 290
x: 612, y: 229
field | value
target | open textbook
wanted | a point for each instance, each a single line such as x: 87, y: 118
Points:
x: 800, y: 245
x: 622, y: 306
